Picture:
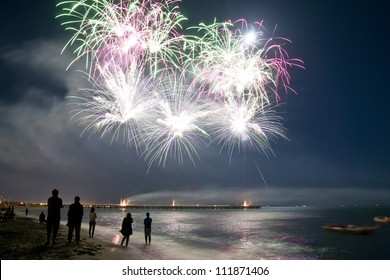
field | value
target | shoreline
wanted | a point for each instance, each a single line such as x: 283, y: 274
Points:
x: 24, y: 238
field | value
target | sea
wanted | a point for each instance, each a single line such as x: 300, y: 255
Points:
x: 269, y: 233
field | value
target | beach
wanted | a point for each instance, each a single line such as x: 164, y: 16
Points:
x: 24, y: 238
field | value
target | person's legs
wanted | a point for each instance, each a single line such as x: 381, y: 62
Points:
x: 90, y: 229
x: 148, y: 235
x: 70, y: 233
x: 56, y: 226
x: 93, y: 229
x: 77, y: 232
x: 49, y: 228
x: 127, y: 240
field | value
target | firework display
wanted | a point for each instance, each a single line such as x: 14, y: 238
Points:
x: 167, y: 93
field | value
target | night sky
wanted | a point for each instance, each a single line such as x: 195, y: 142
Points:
x: 338, y: 129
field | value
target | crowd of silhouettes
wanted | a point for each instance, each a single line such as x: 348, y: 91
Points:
x: 75, y: 217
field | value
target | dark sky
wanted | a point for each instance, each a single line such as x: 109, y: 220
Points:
x: 338, y: 129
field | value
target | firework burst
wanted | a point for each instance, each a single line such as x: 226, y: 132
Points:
x: 117, y: 104
x: 177, y: 129
x: 235, y: 60
x: 240, y: 123
x: 145, y: 32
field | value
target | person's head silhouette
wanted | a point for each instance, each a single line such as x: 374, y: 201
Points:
x: 55, y: 192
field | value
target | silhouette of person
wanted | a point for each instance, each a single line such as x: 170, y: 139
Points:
x: 42, y: 218
x: 75, y: 216
x: 92, y: 221
x: 54, y: 205
x: 127, y: 228
x: 148, y: 228
x: 26, y: 211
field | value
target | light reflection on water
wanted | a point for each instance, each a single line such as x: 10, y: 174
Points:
x: 269, y: 233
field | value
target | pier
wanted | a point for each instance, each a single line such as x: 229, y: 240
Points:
x: 175, y: 207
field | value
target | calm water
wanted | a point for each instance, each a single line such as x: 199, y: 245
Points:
x: 268, y: 233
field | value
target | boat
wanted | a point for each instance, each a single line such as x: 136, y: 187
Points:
x: 350, y: 228
x: 382, y: 219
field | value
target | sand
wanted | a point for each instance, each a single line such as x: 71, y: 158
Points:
x: 24, y: 238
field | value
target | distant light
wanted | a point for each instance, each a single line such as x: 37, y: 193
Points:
x: 124, y: 202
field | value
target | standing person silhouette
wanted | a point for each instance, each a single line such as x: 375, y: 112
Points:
x: 75, y: 216
x: 54, y: 205
x: 148, y: 228
x: 127, y: 228
x: 92, y: 222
